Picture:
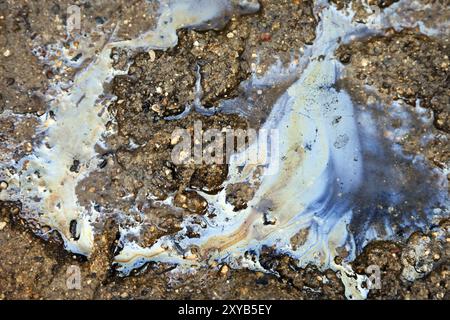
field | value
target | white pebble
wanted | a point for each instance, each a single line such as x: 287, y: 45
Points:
x: 152, y: 55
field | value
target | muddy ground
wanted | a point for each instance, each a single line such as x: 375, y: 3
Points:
x: 403, y: 65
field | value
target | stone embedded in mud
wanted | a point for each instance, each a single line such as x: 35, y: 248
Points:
x: 419, y: 256
x: 299, y: 239
x: 209, y: 178
x: 239, y: 194
x: 3, y: 185
x: 191, y: 201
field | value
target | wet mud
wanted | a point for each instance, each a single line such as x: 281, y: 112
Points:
x: 136, y: 182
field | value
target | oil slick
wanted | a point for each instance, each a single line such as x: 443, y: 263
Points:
x: 342, y: 175
x: 338, y: 174
x: 45, y: 182
x: 313, y: 188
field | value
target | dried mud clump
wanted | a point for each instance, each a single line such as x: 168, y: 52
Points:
x: 191, y: 201
x: 248, y: 44
x: 279, y: 31
x: 239, y: 194
x: 272, y: 32
x: 403, y: 65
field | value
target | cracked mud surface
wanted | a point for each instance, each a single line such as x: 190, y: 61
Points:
x: 402, y: 66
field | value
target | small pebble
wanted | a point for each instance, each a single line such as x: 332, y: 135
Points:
x: 266, y: 36
x: 224, y: 270
x: 3, y: 185
x: 364, y: 62
x: 175, y: 140
x: 152, y: 55
x: 7, y: 53
x: 28, y: 147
